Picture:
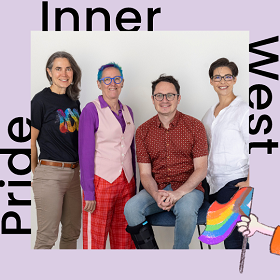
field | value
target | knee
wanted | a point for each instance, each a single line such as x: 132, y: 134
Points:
x: 188, y: 214
x: 69, y: 238
x: 132, y: 210
x: 128, y: 208
x: 45, y: 241
x: 188, y: 206
x: 70, y: 232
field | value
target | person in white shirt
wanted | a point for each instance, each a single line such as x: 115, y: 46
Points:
x: 227, y: 128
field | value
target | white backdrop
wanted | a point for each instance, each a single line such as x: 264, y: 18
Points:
x: 143, y: 56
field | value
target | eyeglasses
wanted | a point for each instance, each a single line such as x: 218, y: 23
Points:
x: 169, y: 96
x: 218, y: 78
x: 108, y: 80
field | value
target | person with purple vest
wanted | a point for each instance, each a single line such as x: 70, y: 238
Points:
x: 107, y: 162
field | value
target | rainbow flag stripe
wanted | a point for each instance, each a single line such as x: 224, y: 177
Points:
x: 222, y: 218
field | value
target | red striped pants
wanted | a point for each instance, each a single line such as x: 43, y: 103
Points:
x: 108, y: 216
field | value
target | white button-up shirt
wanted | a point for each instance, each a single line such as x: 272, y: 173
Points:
x: 228, y: 142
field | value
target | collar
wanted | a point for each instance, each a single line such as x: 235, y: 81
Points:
x: 233, y: 103
x: 236, y: 101
x: 104, y: 104
x: 173, y: 123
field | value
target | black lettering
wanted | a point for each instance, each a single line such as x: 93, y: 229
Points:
x: 271, y: 58
x: 16, y: 202
x: 18, y: 229
x: 45, y: 16
x: 13, y: 153
x: 19, y: 183
x: 59, y: 13
x: 20, y: 138
x: 269, y: 145
x: 151, y: 13
x: 259, y: 88
x: 103, y: 11
x: 259, y: 123
x: 120, y: 20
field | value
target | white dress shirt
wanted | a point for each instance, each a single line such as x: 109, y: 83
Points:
x: 228, y: 142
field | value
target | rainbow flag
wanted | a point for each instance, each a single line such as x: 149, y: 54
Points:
x: 222, y: 218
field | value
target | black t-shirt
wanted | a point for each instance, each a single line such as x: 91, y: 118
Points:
x: 56, y: 116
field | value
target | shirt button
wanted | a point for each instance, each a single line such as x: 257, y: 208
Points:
x: 122, y: 163
x: 122, y: 146
x: 123, y: 155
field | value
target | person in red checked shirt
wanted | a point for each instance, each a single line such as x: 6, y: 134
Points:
x: 248, y: 227
x: 172, y: 154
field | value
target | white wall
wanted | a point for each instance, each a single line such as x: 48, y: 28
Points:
x: 143, y: 56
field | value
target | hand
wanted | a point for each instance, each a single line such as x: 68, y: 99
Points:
x: 248, y: 226
x: 160, y: 198
x: 90, y: 206
x: 172, y: 198
x: 242, y: 184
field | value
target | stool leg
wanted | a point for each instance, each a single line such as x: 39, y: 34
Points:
x: 201, y: 246
x: 198, y: 229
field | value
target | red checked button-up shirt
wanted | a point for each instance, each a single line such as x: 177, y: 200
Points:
x: 171, y: 151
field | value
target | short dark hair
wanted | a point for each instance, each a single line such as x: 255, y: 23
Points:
x: 164, y: 78
x: 223, y: 62
x: 73, y: 91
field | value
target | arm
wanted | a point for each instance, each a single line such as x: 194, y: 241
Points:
x: 37, y: 119
x: 150, y: 185
x: 200, y: 171
x: 248, y: 226
x: 88, y: 125
x: 244, y: 130
x: 132, y: 147
x: 145, y: 169
x: 244, y: 184
x: 34, y: 155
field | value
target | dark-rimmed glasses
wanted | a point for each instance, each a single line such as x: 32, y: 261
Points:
x: 108, y: 80
x: 227, y: 78
x: 169, y: 96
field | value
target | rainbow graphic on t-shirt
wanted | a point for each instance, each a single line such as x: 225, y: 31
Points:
x: 222, y: 218
x: 65, y: 120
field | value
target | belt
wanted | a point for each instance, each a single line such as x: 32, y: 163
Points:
x: 60, y: 164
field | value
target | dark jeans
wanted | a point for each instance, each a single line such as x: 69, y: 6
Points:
x: 235, y: 240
